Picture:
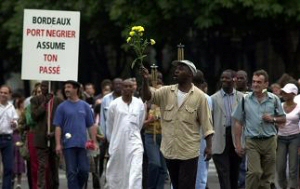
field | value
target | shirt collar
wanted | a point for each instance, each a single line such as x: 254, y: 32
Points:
x: 269, y: 95
x: 5, y: 105
x: 174, y: 88
x: 228, y: 94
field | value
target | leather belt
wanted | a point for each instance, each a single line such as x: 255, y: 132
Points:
x: 261, y: 137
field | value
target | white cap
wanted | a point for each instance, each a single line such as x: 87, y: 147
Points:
x: 188, y: 63
x: 290, y: 88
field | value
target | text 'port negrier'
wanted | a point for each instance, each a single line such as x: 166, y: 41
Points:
x: 51, y: 33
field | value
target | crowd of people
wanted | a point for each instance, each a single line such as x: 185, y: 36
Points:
x: 143, y: 136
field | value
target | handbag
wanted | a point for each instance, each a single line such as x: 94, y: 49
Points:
x: 24, y: 151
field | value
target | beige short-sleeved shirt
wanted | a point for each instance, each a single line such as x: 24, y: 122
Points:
x: 181, y: 125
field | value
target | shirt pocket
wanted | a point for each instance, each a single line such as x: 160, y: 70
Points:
x: 134, y: 119
x: 168, y: 113
x: 269, y: 108
x: 189, y: 114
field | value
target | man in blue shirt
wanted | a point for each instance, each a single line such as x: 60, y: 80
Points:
x: 202, y: 172
x: 107, y: 99
x: 257, y: 115
x: 72, y: 119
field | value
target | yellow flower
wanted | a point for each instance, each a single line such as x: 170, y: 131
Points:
x: 138, y: 44
x: 132, y: 33
x: 135, y: 28
x: 141, y: 29
x: 152, y: 42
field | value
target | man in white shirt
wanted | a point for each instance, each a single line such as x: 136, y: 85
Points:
x: 8, y: 122
x: 125, y: 118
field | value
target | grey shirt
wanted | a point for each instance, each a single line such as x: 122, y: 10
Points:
x: 229, y: 99
x: 253, y: 112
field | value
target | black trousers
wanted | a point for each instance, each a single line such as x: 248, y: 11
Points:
x: 47, y: 157
x: 228, y: 164
x: 183, y: 173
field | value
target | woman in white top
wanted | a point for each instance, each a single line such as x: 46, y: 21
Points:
x: 289, y: 139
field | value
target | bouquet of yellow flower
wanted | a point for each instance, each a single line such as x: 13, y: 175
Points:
x: 139, y: 45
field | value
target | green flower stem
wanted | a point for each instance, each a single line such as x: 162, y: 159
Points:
x: 139, y: 45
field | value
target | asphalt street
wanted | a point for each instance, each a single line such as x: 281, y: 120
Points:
x: 212, y: 180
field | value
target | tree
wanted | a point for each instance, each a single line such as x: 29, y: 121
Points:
x: 96, y: 32
x: 218, y: 34
x: 220, y: 23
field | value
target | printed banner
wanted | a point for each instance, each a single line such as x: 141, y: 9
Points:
x: 50, y: 45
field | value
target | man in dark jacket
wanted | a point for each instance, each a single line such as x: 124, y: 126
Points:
x: 43, y: 108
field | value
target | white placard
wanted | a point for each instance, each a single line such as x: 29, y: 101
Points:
x: 50, y: 45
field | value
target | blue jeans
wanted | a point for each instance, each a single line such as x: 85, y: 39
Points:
x: 77, y: 165
x: 202, y: 171
x: 7, y: 153
x: 287, y: 147
x: 157, y: 169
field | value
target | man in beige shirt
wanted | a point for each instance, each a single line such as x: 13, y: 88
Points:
x: 184, y: 109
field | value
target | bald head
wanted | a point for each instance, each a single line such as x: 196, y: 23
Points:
x: 242, y: 73
x: 117, y: 86
x: 241, y: 80
x: 127, y: 87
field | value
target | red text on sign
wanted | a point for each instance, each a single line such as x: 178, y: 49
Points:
x: 35, y: 32
x: 50, y: 57
x: 61, y: 33
x: 51, y: 33
x: 49, y: 69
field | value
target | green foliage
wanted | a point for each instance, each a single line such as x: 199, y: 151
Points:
x: 14, y: 24
x: 168, y: 21
x: 199, y: 14
x: 202, y: 14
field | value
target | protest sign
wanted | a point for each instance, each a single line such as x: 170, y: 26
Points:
x: 50, y: 45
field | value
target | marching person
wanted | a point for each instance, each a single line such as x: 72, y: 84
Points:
x: 19, y: 162
x: 8, y: 122
x: 241, y: 85
x: 42, y: 106
x: 289, y: 140
x: 105, y: 102
x: 157, y: 168
x: 27, y: 124
x: 184, y: 111
x: 107, y: 99
x: 202, y: 172
x: 125, y: 118
x: 258, y: 115
x: 72, y: 119
x: 224, y: 101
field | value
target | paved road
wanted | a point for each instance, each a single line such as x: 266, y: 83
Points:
x: 212, y: 180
